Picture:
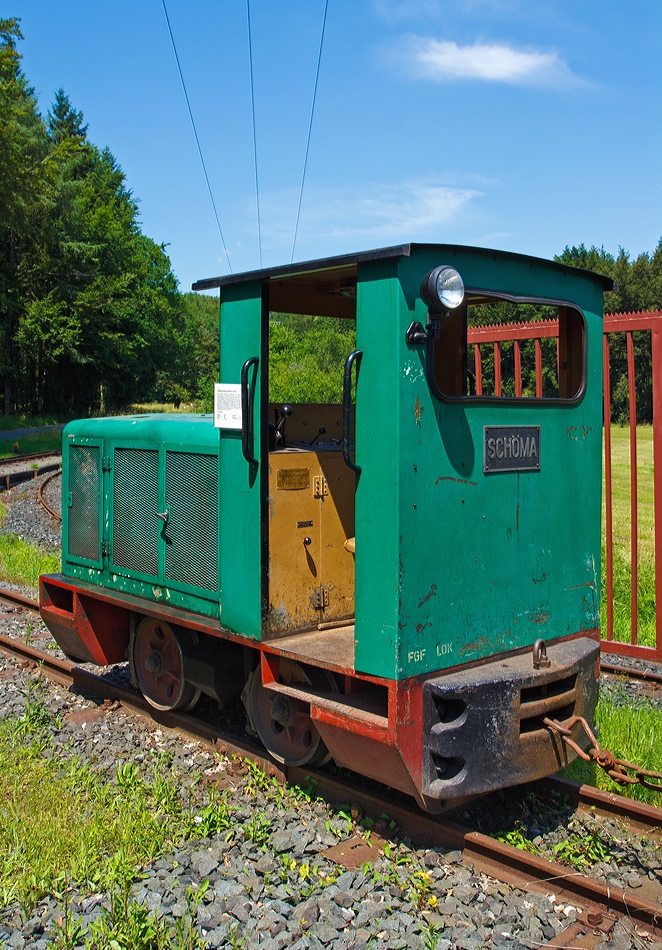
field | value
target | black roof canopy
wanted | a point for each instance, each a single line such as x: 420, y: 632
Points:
x: 382, y: 253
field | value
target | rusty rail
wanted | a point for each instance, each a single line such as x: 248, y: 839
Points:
x: 41, y: 498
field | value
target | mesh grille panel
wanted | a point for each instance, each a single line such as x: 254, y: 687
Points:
x: 135, y: 504
x: 192, y: 500
x: 83, y: 514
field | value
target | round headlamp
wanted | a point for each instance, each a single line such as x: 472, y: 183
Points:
x: 443, y: 288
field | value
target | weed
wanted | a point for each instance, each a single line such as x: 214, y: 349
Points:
x: 186, y: 937
x: 257, y: 831
x: 234, y: 939
x: 36, y: 722
x: 581, y: 852
x: 517, y: 838
x: 214, y: 818
x: 419, y: 887
x: 68, y: 932
x: 348, y: 821
x: 431, y: 935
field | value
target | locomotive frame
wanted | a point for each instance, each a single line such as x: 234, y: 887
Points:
x: 374, y: 596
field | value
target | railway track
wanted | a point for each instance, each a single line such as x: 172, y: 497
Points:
x: 601, y: 904
x: 41, y: 498
x: 12, y: 459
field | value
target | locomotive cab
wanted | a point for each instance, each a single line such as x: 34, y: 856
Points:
x: 370, y: 575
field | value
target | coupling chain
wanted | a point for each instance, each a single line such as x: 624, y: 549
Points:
x: 616, y: 769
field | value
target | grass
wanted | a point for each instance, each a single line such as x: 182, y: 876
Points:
x: 632, y: 730
x: 21, y: 562
x: 147, y: 407
x: 128, y: 823
x: 27, y: 422
x: 620, y: 451
x: 30, y: 445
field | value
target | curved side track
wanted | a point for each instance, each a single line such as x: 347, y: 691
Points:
x: 601, y: 904
x: 42, y: 499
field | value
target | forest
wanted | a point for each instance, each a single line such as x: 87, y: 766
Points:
x: 91, y: 315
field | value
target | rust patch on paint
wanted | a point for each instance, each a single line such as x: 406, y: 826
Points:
x: 421, y: 626
x: 539, y: 580
x: 475, y: 647
x: 574, y: 431
x: 418, y: 409
x: 433, y: 591
x: 542, y: 615
x: 449, y: 478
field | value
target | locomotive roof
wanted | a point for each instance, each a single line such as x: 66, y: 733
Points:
x: 382, y: 253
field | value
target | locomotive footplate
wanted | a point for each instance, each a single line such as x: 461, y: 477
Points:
x: 484, y: 729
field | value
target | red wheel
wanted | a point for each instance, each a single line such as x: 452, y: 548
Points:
x: 282, y: 722
x: 157, y: 664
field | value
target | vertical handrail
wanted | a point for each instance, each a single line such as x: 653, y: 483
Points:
x: 634, y: 528
x: 478, y: 365
x: 656, y: 360
x: 497, y: 369
x: 609, y: 523
x: 518, y: 368
x: 247, y: 401
x: 538, y: 369
x: 354, y: 357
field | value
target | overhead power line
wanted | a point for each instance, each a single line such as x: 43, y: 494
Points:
x: 195, y: 133
x: 310, y: 128
x: 257, y: 188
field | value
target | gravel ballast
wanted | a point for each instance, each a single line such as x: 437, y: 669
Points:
x: 27, y: 519
x: 283, y: 891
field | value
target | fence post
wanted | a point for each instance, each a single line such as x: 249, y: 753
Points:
x: 518, y: 368
x: 497, y: 369
x: 656, y: 357
x: 478, y: 366
x: 538, y: 369
x: 609, y: 529
x: 634, y: 527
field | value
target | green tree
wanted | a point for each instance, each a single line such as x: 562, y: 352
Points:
x: 640, y: 288
x: 23, y: 146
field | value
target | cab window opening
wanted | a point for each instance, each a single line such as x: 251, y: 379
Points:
x: 494, y: 348
x: 306, y: 357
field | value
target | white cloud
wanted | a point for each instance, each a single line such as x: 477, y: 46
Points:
x: 408, y: 211
x: 445, y: 61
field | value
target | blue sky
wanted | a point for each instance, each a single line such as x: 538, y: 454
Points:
x: 517, y: 125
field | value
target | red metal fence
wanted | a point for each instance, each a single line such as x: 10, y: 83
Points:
x: 617, y: 323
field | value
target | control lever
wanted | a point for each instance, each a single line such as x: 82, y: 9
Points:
x: 322, y: 431
x: 281, y: 415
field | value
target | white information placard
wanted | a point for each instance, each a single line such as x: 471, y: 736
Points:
x: 227, y: 405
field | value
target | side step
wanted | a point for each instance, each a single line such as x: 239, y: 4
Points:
x: 324, y: 707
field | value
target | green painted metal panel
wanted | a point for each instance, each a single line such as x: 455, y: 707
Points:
x: 378, y: 308
x: 135, y: 502
x: 485, y: 563
x: 82, y: 502
x: 240, y: 514
x: 139, y: 451
x: 191, y: 535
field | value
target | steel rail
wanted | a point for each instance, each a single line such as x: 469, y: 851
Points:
x: 42, y: 500
x: 11, y: 459
x: 646, y: 675
x: 14, y: 598
x: 501, y: 861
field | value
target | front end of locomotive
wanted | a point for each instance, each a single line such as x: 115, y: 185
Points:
x: 407, y: 582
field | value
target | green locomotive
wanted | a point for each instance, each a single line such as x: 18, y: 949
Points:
x: 370, y: 577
